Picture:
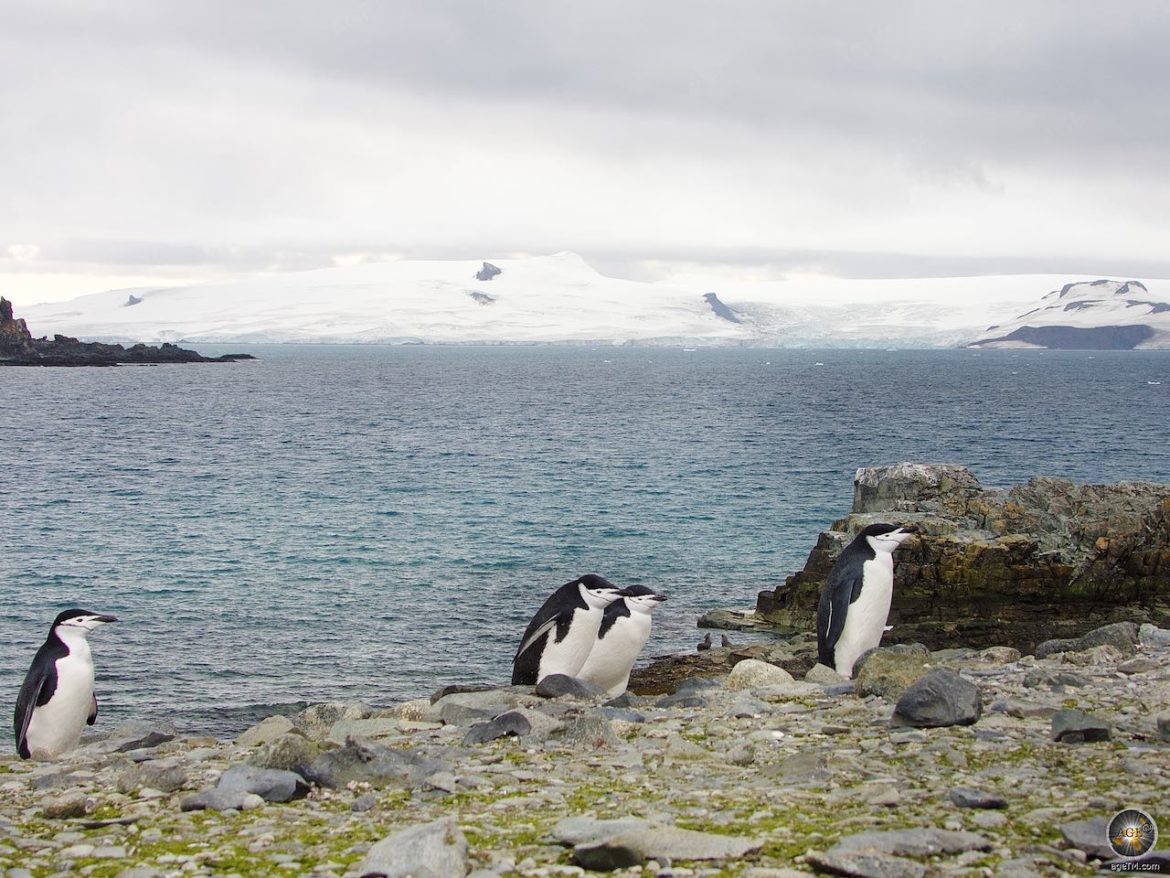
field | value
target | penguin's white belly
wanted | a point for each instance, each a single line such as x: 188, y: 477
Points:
x: 55, y: 727
x: 866, y: 619
x: 568, y: 655
x: 613, y: 656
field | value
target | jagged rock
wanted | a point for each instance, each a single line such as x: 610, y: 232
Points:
x: 1014, y: 566
x: 941, y: 698
x: 318, y: 720
x: 1071, y: 726
x: 19, y: 348
x: 488, y: 272
x: 433, y: 850
x: 719, y: 309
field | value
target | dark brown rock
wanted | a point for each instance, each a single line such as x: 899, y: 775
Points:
x: 1016, y: 566
x: 19, y: 348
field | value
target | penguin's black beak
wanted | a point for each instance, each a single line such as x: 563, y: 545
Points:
x: 105, y: 618
x: 658, y: 596
x: 909, y: 528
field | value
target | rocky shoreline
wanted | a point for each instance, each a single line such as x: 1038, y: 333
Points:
x: 19, y: 348
x: 1012, y: 767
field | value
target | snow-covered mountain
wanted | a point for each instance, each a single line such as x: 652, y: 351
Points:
x: 1099, y: 314
x: 547, y: 299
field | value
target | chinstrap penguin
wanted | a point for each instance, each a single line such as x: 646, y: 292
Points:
x: 855, y: 601
x: 561, y: 634
x: 625, y: 628
x: 56, y: 700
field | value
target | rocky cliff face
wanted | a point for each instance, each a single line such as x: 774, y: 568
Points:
x: 15, y: 339
x: 1049, y: 558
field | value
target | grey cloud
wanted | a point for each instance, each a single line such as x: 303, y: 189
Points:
x: 115, y: 112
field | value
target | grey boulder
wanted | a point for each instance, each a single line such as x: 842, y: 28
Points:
x: 430, y: 850
x: 272, y: 785
x: 941, y: 698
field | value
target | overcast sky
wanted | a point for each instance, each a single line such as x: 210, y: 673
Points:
x: 155, y: 141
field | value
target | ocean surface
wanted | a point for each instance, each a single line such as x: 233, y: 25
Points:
x: 352, y: 522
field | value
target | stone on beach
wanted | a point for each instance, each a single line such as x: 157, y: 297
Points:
x: 362, y: 761
x: 623, y: 842
x: 429, y: 850
x: 754, y: 674
x: 270, y: 784
x: 941, y: 698
x: 889, y: 672
x: 1071, y: 726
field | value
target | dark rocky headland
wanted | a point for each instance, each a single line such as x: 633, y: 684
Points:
x: 19, y: 348
x: 1000, y: 566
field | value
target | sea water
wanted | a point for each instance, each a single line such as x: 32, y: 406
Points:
x: 370, y: 522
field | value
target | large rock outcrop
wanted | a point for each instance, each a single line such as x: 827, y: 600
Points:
x: 1019, y: 565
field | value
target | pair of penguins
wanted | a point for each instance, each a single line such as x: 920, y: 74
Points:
x: 588, y: 629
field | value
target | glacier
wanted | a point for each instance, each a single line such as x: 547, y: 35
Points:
x: 554, y: 299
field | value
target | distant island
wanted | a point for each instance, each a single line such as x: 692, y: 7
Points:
x: 19, y: 348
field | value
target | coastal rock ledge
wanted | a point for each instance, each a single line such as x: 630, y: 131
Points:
x: 19, y: 348
x: 1016, y: 566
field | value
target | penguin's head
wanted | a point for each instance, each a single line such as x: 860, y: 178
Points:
x: 80, y: 621
x: 887, y: 537
x: 598, y: 591
x: 642, y: 599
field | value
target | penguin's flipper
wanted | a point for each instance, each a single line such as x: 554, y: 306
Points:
x: 89, y: 720
x: 534, y: 635
x: 26, y: 703
x: 838, y: 593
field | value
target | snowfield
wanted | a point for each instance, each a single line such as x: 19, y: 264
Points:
x: 554, y: 299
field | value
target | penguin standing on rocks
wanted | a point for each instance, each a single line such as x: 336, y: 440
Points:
x: 562, y: 633
x: 56, y: 701
x: 855, y: 601
x: 625, y: 628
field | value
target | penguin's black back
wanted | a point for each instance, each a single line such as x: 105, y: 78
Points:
x: 842, y: 587
x: 613, y: 612
x: 39, y: 685
x: 561, y: 605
